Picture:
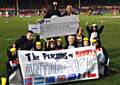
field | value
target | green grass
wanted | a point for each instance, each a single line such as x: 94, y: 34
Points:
x: 15, y: 27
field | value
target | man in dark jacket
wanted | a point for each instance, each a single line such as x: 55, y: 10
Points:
x: 54, y: 12
x: 22, y: 43
x: 25, y: 42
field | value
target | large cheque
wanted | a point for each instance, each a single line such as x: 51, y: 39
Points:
x: 59, y: 26
x: 52, y: 27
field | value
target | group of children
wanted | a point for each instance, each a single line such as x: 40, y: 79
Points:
x: 56, y: 43
x: 28, y: 42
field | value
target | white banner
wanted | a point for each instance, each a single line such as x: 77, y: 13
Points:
x: 49, y: 67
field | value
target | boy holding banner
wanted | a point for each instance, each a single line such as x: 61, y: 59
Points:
x: 38, y: 46
x: 12, y: 63
x: 86, y: 42
x: 70, y: 42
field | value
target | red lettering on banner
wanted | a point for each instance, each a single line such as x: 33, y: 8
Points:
x: 77, y: 53
x: 85, y: 53
x: 89, y: 75
x: 92, y: 75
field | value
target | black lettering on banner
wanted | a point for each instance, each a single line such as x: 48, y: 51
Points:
x: 52, y: 56
x: 56, y: 56
x: 35, y: 57
x: 45, y: 56
x: 71, y: 55
x: 65, y: 56
x: 28, y: 56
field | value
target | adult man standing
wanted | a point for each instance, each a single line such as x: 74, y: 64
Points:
x: 25, y: 42
x: 54, y: 12
x: 13, y: 68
